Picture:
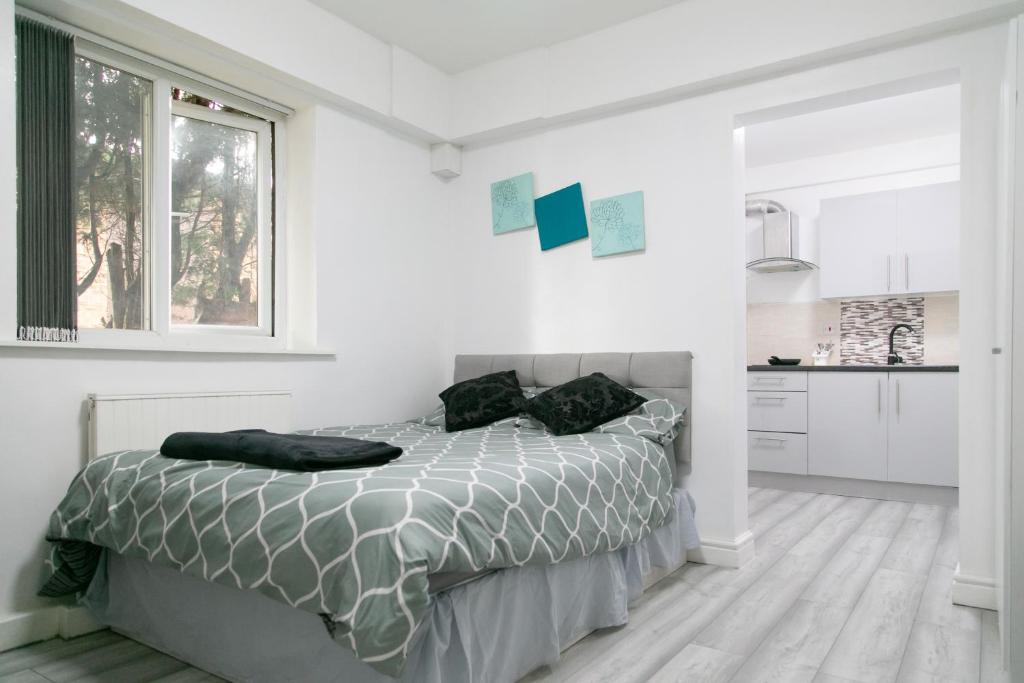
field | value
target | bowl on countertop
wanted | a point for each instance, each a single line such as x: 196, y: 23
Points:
x: 775, y: 360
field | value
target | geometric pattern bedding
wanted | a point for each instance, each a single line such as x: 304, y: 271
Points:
x: 356, y: 546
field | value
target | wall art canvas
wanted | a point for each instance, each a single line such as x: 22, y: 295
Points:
x: 617, y: 224
x: 512, y: 204
x: 561, y: 217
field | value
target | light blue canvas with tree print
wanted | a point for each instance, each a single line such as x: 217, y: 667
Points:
x: 617, y: 224
x: 512, y: 204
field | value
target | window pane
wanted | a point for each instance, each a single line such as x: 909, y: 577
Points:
x: 110, y: 113
x: 214, y: 223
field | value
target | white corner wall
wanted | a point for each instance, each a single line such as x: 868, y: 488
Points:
x: 687, y: 290
x: 292, y: 52
x: 378, y: 220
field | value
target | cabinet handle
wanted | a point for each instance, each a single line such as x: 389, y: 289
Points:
x: 768, y: 438
x: 906, y: 269
x: 769, y: 398
x: 888, y: 272
x: 879, y: 399
x: 777, y: 380
x: 899, y: 402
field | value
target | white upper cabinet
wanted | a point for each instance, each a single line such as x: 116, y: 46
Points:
x: 928, y: 239
x: 857, y: 239
x: 894, y: 242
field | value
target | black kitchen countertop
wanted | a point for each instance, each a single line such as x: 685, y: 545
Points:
x: 854, y: 368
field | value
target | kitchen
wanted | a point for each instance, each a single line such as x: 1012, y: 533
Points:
x: 853, y: 229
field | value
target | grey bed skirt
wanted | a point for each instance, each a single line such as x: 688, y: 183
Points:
x: 495, y: 628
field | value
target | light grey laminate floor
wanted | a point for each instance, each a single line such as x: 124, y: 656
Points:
x: 842, y: 590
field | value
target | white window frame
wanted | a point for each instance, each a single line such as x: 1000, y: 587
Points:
x: 264, y: 231
x: 150, y: 134
x: 269, y: 334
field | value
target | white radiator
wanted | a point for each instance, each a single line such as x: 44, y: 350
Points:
x: 138, y: 421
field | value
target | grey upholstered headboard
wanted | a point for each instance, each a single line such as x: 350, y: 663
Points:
x: 663, y: 373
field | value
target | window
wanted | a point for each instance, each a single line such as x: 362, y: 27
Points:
x: 174, y: 191
x: 217, y: 263
x: 111, y: 108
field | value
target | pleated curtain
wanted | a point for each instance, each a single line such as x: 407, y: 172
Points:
x: 47, y: 309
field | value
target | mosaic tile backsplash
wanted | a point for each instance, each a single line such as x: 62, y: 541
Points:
x: 864, y: 330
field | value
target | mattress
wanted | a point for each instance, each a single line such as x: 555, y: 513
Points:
x: 356, y: 547
x: 498, y: 627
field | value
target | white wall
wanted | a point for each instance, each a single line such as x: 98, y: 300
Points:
x: 684, y: 293
x: 378, y: 224
x: 296, y: 49
x: 293, y: 52
x: 801, y: 185
x: 687, y: 291
x: 689, y: 47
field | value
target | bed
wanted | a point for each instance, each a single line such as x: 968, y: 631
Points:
x: 539, y: 541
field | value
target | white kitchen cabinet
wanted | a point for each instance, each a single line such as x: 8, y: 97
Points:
x: 928, y: 239
x: 777, y: 452
x: 903, y: 241
x: 922, y: 436
x: 847, y: 420
x: 777, y: 420
x: 777, y: 411
x: 857, y: 237
x: 777, y: 380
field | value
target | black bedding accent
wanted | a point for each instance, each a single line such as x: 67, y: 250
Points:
x: 280, y: 451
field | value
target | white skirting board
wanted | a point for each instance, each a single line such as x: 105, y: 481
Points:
x: 861, y: 488
x: 66, y: 621
x: 723, y: 553
x: 974, y: 591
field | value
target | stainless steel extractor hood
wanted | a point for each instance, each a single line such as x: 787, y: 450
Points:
x: 775, y: 246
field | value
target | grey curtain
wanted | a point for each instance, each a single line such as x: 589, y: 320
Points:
x: 47, y: 309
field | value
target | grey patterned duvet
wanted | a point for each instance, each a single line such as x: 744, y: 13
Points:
x: 357, y: 546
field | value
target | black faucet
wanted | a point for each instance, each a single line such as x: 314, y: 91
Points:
x: 894, y: 358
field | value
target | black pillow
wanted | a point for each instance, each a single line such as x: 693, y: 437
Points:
x: 481, y: 401
x: 582, y: 404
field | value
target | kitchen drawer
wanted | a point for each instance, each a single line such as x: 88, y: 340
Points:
x: 782, y: 380
x: 777, y: 411
x: 777, y: 452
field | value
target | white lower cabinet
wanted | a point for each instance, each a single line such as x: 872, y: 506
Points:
x: 895, y: 426
x: 846, y: 424
x: 923, y: 432
x: 777, y: 452
x: 777, y: 411
x: 777, y: 421
x: 887, y: 426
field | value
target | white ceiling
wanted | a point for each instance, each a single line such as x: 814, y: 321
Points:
x: 455, y: 35
x: 923, y: 114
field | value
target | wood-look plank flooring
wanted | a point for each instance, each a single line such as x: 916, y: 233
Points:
x: 841, y: 590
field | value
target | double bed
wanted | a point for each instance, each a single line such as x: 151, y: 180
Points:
x: 477, y: 556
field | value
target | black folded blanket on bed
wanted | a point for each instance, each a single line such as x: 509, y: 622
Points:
x: 280, y: 451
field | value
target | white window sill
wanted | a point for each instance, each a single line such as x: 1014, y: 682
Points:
x: 242, y: 346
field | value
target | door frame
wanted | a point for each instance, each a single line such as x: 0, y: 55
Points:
x: 1012, y: 621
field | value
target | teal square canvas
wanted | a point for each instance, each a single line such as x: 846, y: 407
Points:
x: 561, y: 217
x: 512, y: 204
x: 617, y: 224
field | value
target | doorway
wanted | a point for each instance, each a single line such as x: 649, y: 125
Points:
x: 852, y: 225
